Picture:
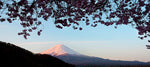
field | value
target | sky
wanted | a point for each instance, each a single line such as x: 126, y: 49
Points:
x: 105, y: 42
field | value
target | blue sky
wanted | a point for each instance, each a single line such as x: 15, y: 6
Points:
x: 105, y: 42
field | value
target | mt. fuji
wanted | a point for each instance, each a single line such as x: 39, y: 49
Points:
x: 70, y: 56
x: 60, y: 50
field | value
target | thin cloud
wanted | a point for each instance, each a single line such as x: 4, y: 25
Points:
x: 61, y: 42
x: 33, y: 43
x: 110, y: 42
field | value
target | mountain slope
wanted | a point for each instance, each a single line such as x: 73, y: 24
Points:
x: 59, y: 50
x: 70, y: 56
x: 14, y: 56
x: 87, y: 60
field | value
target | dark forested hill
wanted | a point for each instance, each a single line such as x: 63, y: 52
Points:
x: 13, y: 56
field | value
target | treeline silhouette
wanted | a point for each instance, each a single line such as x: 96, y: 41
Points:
x: 113, y: 66
x: 14, y: 56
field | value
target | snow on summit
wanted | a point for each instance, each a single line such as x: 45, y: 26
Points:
x: 59, y: 50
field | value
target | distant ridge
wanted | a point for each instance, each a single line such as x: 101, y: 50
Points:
x: 70, y: 56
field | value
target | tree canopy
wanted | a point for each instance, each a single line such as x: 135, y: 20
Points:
x: 73, y: 13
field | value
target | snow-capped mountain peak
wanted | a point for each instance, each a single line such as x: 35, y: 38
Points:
x: 60, y: 50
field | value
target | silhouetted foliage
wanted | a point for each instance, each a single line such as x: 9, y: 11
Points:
x: 13, y: 56
x: 113, y: 66
x: 74, y: 13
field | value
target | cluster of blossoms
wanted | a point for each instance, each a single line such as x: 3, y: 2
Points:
x: 70, y: 13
